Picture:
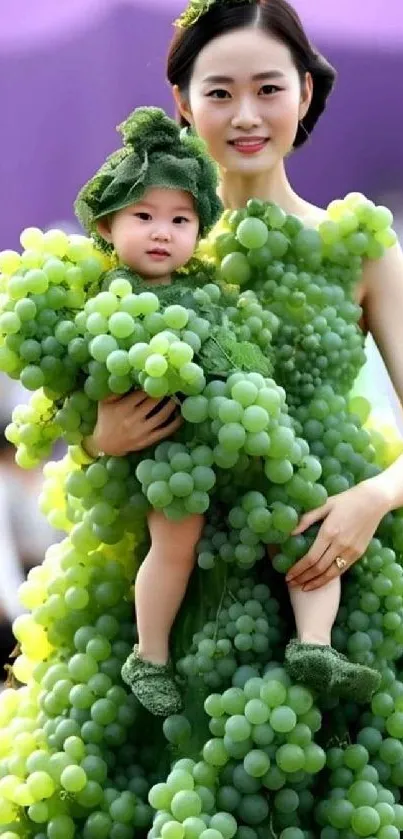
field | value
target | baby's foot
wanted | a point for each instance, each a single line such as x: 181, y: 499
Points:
x: 325, y: 670
x: 153, y: 685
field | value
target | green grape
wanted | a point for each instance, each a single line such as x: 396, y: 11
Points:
x: 121, y: 324
x: 156, y: 365
x: 253, y: 809
x: 186, y: 804
x: 41, y: 785
x: 159, y: 494
x: 225, y: 824
x: 286, y: 801
x: 118, y: 362
x: 252, y: 233
x: 195, y: 409
x: 232, y: 436
x: 235, y: 269
x: 256, y: 763
x: 238, y: 728
x: 255, y: 419
x: 32, y: 377
x: 273, y: 693
x: 283, y: 719
x: 73, y: 778
x: 60, y: 826
x: 172, y: 830
x: 365, y: 821
x: 214, y: 752
x: 245, y: 393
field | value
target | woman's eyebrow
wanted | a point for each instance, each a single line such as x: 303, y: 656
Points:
x: 257, y: 77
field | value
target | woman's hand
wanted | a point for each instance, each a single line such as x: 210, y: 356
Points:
x: 124, y: 424
x: 349, y: 523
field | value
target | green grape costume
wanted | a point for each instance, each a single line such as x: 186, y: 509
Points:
x: 260, y: 337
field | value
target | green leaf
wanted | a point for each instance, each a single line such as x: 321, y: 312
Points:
x: 222, y: 353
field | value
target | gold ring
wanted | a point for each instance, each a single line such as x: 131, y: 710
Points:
x: 340, y: 562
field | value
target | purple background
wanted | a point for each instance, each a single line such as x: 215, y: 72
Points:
x: 71, y: 70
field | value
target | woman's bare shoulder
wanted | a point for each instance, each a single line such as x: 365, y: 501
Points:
x: 311, y: 215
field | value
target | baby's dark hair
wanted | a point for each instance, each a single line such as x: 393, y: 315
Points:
x: 277, y: 18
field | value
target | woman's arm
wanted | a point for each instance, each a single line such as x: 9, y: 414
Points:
x: 382, y: 302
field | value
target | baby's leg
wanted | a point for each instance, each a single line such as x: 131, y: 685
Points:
x: 159, y: 589
x: 312, y: 660
x: 162, y: 580
x: 315, y: 612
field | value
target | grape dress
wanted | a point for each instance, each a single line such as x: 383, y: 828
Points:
x: 272, y: 428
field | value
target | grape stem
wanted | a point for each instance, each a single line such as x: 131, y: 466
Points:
x: 274, y: 835
x: 220, y: 605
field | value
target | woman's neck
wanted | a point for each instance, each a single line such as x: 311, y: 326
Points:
x: 236, y: 189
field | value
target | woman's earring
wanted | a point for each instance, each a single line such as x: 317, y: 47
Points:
x: 302, y: 127
x: 187, y: 131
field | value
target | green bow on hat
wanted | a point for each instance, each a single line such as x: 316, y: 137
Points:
x: 197, y: 8
x: 156, y: 152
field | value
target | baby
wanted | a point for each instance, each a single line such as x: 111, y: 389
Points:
x: 148, y: 205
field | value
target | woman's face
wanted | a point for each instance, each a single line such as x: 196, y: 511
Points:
x: 245, y: 100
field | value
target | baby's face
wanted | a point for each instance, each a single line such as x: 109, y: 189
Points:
x: 158, y: 234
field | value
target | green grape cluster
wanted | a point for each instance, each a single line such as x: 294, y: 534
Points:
x: 36, y: 426
x: 236, y: 542
x: 62, y: 735
x: 247, y: 415
x: 358, y: 804
x: 305, y: 277
x: 132, y: 340
x: 246, y: 628
x: 252, y: 321
x: 370, y: 623
x: 335, y: 434
x: 42, y: 290
x: 178, y: 479
x: 186, y: 802
x: 261, y: 351
x: 33, y: 430
x: 45, y: 286
x: 260, y: 761
x: 97, y: 503
x: 76, y: 417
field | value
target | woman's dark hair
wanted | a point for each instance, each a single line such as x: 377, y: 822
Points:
x: 277, y: 18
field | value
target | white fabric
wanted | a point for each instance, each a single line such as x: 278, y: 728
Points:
x: 374, y: 382
x: 24, y: 534
x: 11, y: 573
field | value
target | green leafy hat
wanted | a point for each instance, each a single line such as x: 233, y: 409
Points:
x: 195, y: 9
x: 156, y: 152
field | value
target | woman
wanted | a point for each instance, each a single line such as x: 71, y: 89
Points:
x: 252, y: 114
x: 260, y: 761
